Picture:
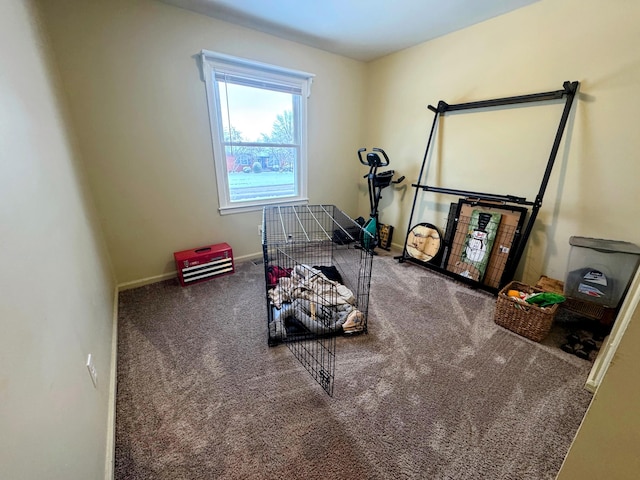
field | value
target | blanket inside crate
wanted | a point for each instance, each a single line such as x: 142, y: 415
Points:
x: 322, y: 305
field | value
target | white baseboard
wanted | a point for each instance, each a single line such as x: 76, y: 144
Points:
x: 249, y: 257
x: 109, y: 469
x: 166, y: 276
x: 398, y: 246
x: 253, y: 257
x: 146, y: 281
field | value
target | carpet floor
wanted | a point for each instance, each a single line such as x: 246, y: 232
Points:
x: 435, y: 390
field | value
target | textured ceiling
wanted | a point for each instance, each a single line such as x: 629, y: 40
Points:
x: 359, y: 29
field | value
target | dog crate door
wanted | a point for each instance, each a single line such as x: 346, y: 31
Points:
x: 305, y: 313
x: 318, y: 356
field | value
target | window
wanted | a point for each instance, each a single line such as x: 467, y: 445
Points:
x: 258, y: 129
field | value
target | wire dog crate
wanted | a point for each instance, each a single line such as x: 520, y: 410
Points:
x: 317, y: 277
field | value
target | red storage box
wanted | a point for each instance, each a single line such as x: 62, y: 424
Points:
x: 204, y: 263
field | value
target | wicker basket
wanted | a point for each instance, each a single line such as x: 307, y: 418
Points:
x: 525, y: 319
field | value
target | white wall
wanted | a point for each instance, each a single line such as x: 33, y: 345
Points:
x: 533, y: 49
x: 139, y: 106
x: 56, y: 300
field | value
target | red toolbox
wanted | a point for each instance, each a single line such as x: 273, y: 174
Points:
x: 204, y: 263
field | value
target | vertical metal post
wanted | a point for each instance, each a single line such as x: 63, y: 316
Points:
x: 570, y: 92
x: 417, y: 189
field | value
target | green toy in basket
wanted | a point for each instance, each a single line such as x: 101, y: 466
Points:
x: 545, y: 299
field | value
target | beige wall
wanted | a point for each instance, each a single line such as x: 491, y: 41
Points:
x: 137, y: 104
x: 137, y: 99
x: 592, y: 189
x: 533, y: 49
x: 56, y: 304
x: 606, y: 445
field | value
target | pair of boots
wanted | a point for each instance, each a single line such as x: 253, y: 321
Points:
x: 579, y: 347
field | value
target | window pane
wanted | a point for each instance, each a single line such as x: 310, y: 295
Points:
x: 261, y: 173
x: 258, y: 127
x: 255, y: 115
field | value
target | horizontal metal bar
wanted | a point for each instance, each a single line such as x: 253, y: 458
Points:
x: 444, y: 271
x: 478, y: 195
x: 497, y: 102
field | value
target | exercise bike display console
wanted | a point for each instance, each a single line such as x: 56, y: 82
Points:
x: 376, y: 181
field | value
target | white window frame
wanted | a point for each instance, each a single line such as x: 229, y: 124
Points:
x: 298, y: 82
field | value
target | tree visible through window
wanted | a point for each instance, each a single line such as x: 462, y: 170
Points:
x: 258, y: 122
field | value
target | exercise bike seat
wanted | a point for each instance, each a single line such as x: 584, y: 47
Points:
x: 383, y: 179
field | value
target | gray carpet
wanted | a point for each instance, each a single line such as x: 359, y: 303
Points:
x: 436, y: 390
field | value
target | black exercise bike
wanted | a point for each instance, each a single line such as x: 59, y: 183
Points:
x: 377, y: 181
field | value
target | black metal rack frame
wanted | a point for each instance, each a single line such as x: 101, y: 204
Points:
x: 568, y: 92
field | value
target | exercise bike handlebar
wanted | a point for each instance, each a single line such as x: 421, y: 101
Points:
x: 360, y: 156
x: 382, y: 164
x: 373, y: 159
